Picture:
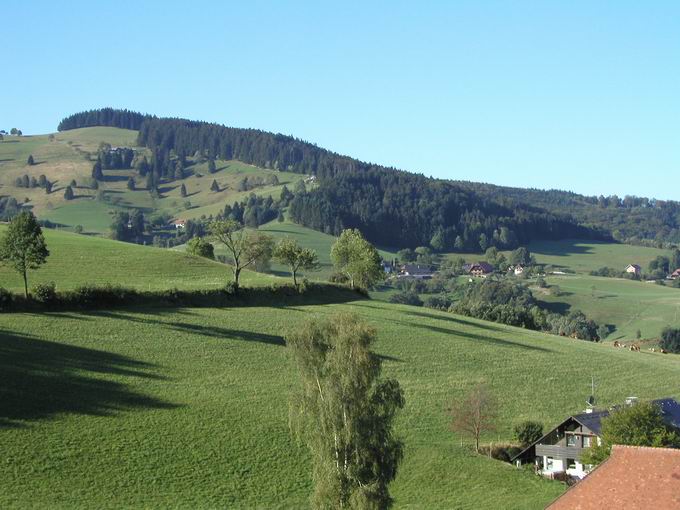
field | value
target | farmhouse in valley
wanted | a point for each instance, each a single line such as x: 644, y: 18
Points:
x: 632, y: 477
x: 479, y: 269
x: 634, y: 269
x: 415, y: 271
x: 179, y: 223
x: 675, y: 274
x: 558, y: 453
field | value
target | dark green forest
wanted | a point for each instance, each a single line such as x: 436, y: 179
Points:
x: 393, y: 207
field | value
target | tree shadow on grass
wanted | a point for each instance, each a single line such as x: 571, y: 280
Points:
x: 479, y: 338
x: 41, y: 379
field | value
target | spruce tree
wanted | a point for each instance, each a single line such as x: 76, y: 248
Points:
x: 131, y: 184
x: 211, y: 166
x: 68, y: 193
x: 183, y: 191
x: 214, y: 186
x: 97, y: 171
x: 30, y: 161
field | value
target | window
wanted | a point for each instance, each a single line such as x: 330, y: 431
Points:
x: 549, y: 463
x: 587, y: 441
x: 571, y: 440
x: 571, y: 464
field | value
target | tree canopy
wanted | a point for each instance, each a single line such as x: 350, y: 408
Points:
x: 344, y: 412
x: 23, y: 246
x: 357, y: 259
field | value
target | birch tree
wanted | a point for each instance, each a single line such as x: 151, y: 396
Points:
x: 343, y: 411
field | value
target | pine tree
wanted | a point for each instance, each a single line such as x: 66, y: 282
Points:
x: 214, y: 186
x: 68, y: 193
x: 131, y: 184
x: 97, y: 171
x: 211, y: 166
x: 183, y: 191
x: 30, y: 161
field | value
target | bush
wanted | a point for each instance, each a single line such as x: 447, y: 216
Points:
x: 441, y: 302
x: 6, y: 299
x: 670, y: 340
x: 406, y: 298
x: 528, y: 432
x: 44, y: 292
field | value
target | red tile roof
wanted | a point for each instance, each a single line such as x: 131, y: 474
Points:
x: 634, y: 477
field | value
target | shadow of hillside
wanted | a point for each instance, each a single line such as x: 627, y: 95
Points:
x: 40, y: 379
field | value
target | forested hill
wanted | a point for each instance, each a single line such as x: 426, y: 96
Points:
x: 391, y: 207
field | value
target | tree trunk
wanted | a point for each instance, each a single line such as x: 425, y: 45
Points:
x: 237, y: 273
x: 295, y: 278
x: 25, y: 284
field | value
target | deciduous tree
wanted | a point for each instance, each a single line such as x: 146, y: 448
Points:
x: 245, y: 248
x: 291, y: 254
x: 474, y: 414
x: 23, y: 246
x: 344, y: 412
x: 357, y: 259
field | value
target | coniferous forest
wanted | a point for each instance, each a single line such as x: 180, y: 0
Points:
x: 393, y: 207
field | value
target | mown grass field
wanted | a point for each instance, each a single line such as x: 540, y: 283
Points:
x: 628, y: 305
x: 586, y: 256
x: 188, y: 408
x: 78, y: 259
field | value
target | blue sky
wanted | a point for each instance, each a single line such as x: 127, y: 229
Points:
x: 575, y: 95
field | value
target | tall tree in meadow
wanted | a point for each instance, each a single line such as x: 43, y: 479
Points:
x: 357, y: 259
x: 68, y: 193
x: 97, y: 173
x: 344, y: 413
x: 245, y: 248
x: 214, y: 186
x: 183, y: 191
x: 30, y: 161
x: 291, y: 254
x: 23, y: 246
x: 211, y: 166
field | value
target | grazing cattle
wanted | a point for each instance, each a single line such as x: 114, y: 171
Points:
x: 616, y: 343
x: 663, y: 351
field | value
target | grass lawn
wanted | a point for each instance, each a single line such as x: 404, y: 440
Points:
x: 586, y: 256
x: 626, y: 304
x: 188, y: 408
x: 78, y: 259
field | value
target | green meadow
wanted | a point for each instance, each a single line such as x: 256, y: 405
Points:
x: 79, y: 259
x: 628, y: 305
x: 69, y: 156
x: 187, y: 408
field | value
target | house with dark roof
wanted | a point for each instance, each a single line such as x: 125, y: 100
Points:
x: 633, y: 477
x: 479, y: 269
x: 558, y: 453
x: 415, y: 271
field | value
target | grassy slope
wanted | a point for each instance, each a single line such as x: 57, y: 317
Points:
x: 77, y: 259
x: 64, y: 159
x: 188, y: 408
x: 626, y: 304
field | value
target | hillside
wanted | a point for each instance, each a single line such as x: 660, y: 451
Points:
x: 187, y: 408
x: 78, y: 259
x: 69, y: 155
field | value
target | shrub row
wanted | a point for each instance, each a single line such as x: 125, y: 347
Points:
x: 46, y: 297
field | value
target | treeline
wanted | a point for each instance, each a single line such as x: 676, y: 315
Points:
x: 111, y: 117
x: 512, y: 303
x: 390, y: 206
x: 631, y: 219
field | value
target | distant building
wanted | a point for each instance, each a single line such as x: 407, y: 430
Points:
x: 632, y: 477
x: 179, y: 223
x: 558, y: 453
x: 675, y: 274
x: 634, y: 269
x: 517, y: 270
x: 415, y: 271
x: 479, y: 269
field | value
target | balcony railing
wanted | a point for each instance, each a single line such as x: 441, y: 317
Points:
x: 557, y: 451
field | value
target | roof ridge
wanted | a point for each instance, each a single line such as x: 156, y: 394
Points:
x: 654, y: 448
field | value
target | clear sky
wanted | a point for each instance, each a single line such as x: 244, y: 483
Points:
x: 577, y: 95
